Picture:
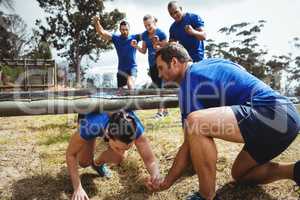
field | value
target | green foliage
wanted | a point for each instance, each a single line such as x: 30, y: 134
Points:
x: 9, y: 4
x: 241, y: 46
x: 40, y: 47
x: 11, y: 73
x: 62, y: 137
x: 294, y: 67
x: 12, y: 35
x: 70, y: 31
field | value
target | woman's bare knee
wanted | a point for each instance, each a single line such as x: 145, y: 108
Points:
x: 118, y: 159
x: 85, y: 164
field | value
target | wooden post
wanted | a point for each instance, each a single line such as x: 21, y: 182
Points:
x: 26, y: 76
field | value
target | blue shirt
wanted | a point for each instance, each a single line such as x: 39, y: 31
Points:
x: 217, y: 82
x: 151, y: 51
x: 93, y: 125
x: 194, y: 47
x: 126, y: 53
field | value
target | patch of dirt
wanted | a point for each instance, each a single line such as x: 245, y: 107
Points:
x: 32, y: 164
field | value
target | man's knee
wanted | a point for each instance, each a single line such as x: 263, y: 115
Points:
x: 195, y: 127
x: 196, y: 124
x: 193, y: 118
x: 195, y: 136
x: 242, y: 165
x: 236, y: 174
x: 238, y: 170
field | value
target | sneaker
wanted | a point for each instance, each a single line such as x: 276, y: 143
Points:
x: 158, y: 115
x: 197, y: 196
x: 165, y: 113
x: 297, y: 172
x: 102, y: 170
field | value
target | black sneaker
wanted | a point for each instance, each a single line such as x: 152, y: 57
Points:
x: 197, y: 196
x: 158, y: 116
x: 297, y: 173
x: 165, y: 113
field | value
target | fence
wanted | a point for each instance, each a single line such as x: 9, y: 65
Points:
x: 27, y: 74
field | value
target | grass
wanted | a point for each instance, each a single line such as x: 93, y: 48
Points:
x: 54, y: 136
x: 35, y: 146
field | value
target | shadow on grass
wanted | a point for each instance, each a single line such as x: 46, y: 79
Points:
x: 232, y: 191
x: 49, y: 187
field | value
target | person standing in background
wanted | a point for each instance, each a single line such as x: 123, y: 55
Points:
x: 127, y: 65
x: 153, y: 38
x: 187, y: 30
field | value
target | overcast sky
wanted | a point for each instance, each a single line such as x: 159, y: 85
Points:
x: 282, y: 18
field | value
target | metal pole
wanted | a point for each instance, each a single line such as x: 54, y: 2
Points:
x: 86, y: 105
x: 83, y: 92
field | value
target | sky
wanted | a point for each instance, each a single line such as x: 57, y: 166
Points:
x: 282, y: 18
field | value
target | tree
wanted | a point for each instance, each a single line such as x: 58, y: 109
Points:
x: 297, y: 91
x: 70, y: 31
x: 241, y: 46
x: 275, y: 66
x: 40, y: 48
x: 12, y: 36
x: 8, y: 4
x: 293, y: 69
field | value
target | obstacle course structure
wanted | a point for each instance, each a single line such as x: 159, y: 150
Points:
x: 27, y: 74
x: 83, y: 101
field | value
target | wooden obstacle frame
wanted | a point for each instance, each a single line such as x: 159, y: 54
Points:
x: 36, y: 74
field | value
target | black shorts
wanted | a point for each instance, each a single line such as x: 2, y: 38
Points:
x: 153, y: 73
x: 122, y: 76
x: 267, y: 130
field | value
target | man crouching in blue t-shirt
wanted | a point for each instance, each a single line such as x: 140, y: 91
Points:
x: 124, y: 44
x: 221, y: 100
x: 121, y: 130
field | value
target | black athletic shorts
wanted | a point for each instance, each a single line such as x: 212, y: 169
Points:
x: 267, y: 130
x: 122, y: 76
x: 153, y: 73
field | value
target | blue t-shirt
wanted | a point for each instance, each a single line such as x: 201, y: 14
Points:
x: 126, y: 53
x: 151, y: 51
x: 217, y: 82
x: 194, y: 47
x: 94, y: 124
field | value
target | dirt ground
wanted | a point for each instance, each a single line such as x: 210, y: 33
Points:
x: 32, y: 163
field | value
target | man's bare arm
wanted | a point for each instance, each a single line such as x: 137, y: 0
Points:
x: 100, y: 30
x: 198, y: 33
